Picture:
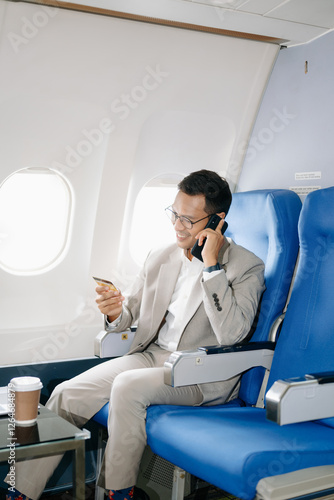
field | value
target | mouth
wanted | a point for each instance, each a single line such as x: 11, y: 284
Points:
x: 181, y: 236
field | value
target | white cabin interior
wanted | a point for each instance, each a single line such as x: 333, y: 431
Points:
x: 102, y: 105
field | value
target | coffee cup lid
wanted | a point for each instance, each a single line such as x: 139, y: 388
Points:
x: 25, y: 384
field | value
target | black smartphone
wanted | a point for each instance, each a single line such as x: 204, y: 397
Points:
x: 214, y: 220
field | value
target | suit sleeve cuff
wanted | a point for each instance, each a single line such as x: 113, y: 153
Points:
x: 113, y: 325
x: 208, y: 276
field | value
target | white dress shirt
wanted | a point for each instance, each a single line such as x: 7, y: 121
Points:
x: 170, y: 333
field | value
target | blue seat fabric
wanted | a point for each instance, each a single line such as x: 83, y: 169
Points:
x: 309, y: 323
x: 101, y: 417
x: 265, y: 222
x: 233, y: 448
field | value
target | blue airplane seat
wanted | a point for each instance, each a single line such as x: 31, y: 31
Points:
x: 265, y: 222
x: 101, y: 417
x: 239, y: 449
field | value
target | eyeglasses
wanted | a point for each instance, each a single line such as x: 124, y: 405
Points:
x: 187, y: 223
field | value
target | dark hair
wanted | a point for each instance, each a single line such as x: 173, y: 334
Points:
x: 216, y: 190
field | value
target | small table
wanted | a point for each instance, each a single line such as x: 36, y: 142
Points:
x: 51, y: 435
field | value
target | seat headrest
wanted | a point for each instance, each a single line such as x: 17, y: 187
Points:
x: 264, y: 221
x: 317, y: 217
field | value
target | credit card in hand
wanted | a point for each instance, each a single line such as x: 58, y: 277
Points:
x: 107, y: 283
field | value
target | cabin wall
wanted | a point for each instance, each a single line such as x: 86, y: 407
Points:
x: 292, y: 141
x: 108, y: 103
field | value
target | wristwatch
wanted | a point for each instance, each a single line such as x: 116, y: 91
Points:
x: 210, y: 269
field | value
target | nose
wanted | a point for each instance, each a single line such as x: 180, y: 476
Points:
x: 178, y: 225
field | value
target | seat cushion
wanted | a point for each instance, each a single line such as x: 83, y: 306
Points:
x: 233, y: 448
x: 101, y: 417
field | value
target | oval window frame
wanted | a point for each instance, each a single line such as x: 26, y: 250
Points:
x: 67, y: 227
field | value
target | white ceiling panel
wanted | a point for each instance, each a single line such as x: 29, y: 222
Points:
x: 259, y: 6
x: 298, y: 21
x: 312, y: 12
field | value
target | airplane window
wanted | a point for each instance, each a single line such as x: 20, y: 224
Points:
x: 150, y: 225
x: 35, y: 206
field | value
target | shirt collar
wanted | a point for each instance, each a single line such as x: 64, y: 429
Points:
x: 194, y: 265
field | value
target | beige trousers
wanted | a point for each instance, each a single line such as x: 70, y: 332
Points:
x: 131, y: 383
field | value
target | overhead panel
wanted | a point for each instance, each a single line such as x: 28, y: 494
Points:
x: 319, y: 13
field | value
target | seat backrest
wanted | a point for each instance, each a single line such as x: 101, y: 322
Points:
x: 306, y: 342
x: 265, y: 222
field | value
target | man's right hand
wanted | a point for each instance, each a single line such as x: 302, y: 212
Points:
x: 109, y: 302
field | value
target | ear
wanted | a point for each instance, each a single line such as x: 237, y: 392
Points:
x: 222, y: 215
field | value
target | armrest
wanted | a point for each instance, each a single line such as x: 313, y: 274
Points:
x: 216, y: 363
x: 113, y: 344
x: 301, y: 399
x: 312, y: 482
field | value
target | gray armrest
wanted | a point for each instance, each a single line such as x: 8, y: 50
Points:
x: 215, y: 363
x: 313, y: 482
x: 113, y: 344
x: 301, y: 399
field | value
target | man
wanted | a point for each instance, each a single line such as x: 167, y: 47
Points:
x: 178, y: 302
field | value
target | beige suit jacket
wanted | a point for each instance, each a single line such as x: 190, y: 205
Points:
x: 221, y: 310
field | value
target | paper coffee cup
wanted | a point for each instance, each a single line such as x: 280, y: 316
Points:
x: 26, y: 434
x: 27, y: 393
